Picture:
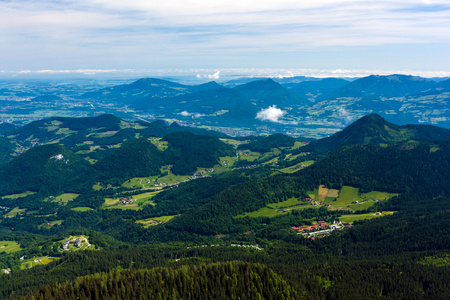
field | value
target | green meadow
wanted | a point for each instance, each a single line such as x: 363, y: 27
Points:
x: 141, y: 199
x: 147, y: 222
x: 37, y: 261
x: 159, y: 143
x: 296, y: 167
x: 348, y: 198
x: 225, y: 164
x: 249, y: 156
x: 171, y: 179
x: 57, y: 222
x: 276, y: 209
x: 15, y: 211
x: 63, y: 198
x: 233, y: 142
x: 359, y: 217
x: 140, y: 182
x: 21, y: 195
x: 81, y: 208
x: 9, y: 246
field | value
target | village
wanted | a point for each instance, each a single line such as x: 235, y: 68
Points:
x: 320, y: 229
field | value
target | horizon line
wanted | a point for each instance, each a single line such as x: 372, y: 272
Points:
x: 217, y: 73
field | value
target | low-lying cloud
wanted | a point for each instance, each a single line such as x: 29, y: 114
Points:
x: 193, y: 115
x: 345, y: 115
x: 271, y: 114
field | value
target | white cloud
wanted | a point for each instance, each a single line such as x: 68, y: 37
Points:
x: 193, y: 115
x: 272, y: 114
x: 198, y: 115
x: 345, y: 115
x: 214, y: 76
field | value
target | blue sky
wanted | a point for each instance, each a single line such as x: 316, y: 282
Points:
x: 348, y: 37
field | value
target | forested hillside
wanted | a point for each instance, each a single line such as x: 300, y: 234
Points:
x: 373, y: 129
x: 214, y: 281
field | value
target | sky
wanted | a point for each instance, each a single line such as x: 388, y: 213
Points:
x: 211, y: 38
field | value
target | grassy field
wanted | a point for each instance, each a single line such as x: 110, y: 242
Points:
x: 21, y: 195
x: 346, y: 198
x: 286, y: 204
x: 276, y: 209
x: 140, y: 182
x: 15, y: 211
x: 141, y: 199
x: 262, y: 212
x: 148, y: 222
x: 234, y: 143
x: 353, y: 218
x: 81, y: 208
x: 171, y: 179
x: 296, y: 167
x: 37, y: 261
x: 145, y: 197
x: 225, y: 164
x: 114, y: 203
x: 249, y: 156
x: 292, y: 157
x: 63, y: 198
x: 9, y: 247
x: 97, y: 187
x: 44, y: 225
x: 159, y: 143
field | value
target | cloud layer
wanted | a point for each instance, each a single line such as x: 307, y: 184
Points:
x: 116, y: 34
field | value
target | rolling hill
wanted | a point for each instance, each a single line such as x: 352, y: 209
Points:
x: 49, y: 167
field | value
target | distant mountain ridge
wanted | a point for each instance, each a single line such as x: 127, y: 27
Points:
x: 383, y: 86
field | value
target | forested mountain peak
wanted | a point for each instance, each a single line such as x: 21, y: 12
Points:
x: 373, y: 129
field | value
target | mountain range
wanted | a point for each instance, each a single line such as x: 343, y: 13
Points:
x: 212, y: 104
